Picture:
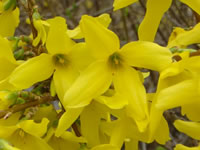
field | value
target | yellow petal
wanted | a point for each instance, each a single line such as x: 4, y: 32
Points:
x: 63, y: 79
x: 118, y: 134
x: 182, y: 93
x: 5, y: 50
x: 190, y: 128
x: 182, y: 147
x: 71, y: 137
x: 90, y: 121
x: 91, y: 83
x: 186, y: 38
x: 80, y: 56
x: 101, y: 41
x: 35, y: 129
x: 155, y: 10
x: 32, y: 71
x: 146, y: 55
x: 131, y: 145
x: 127, y: 83
x: 6, y: 85
x: 58, y: 41
x: 192, y: 111
x: 162, y: 132
x: 41, y: 32
x: 105, y: 147
x: 9, y: 21
x: 116, y: 101
x: 76, y: 33
x: 7, y: 131
x: 67, y: 119
x: 28, y: 142
x: 194, y: 4
x: 6, y: 67
x: 122, y: 3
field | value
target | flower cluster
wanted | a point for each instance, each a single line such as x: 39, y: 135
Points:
x: 57, y: 93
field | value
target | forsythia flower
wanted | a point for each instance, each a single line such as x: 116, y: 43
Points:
x: 26, y: 135
x: 113, y: 64
x: 155, y: 11
x: 62, y: 58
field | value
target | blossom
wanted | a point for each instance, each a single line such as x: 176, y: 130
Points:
x: 114, y: 64
x: 26, y: 135
x: 62, y: 57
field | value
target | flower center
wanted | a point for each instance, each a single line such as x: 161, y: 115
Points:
x: 115, y: 60
x: 60, y: 60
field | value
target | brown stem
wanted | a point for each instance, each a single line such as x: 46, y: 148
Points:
x: 19, y: 107
x: 76, y: 130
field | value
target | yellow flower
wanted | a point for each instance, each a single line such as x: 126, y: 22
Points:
x: 26, y: 135
x: 155, y: 11
x: 63, y: 57
x: 114, y: 64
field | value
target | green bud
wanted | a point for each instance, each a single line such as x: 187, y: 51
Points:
x: 9, y: 4
x: 160, y: 148
x: 20, y: 100
x: 36, y: 16
x: 24, y: 94
x: 19, y: 54
x: 12, y: 96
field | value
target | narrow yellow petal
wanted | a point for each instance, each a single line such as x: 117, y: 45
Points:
x: 186, y: 38
x: 91, y: 83
x: 116, y: 101
x: 99, y: 39
x: 6, y: 67
x: 162, y: 132
x: 5, y: 50
x: 9, y: 22
x: 127, y: 83
x: 190, y: 128
x: 63, y: 79
x: 58, y: 41
x: 182, y: 147
x: 76, y: 33
x: 194, y: 4
x: 182, y: 93
x: 71, y: 137
x: 146, y: 55
x: 192, y: 111
x: 80, y: 56
x: 35, y: 129
x: 67, y: 119
x: 105, y: 147
x: 155, y: 10
x: 90, y: 121
x: 32, y: 71
x: 131, y: 145
x: 122, y: 3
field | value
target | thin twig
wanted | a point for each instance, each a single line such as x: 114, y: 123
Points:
x: 20, y: 107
